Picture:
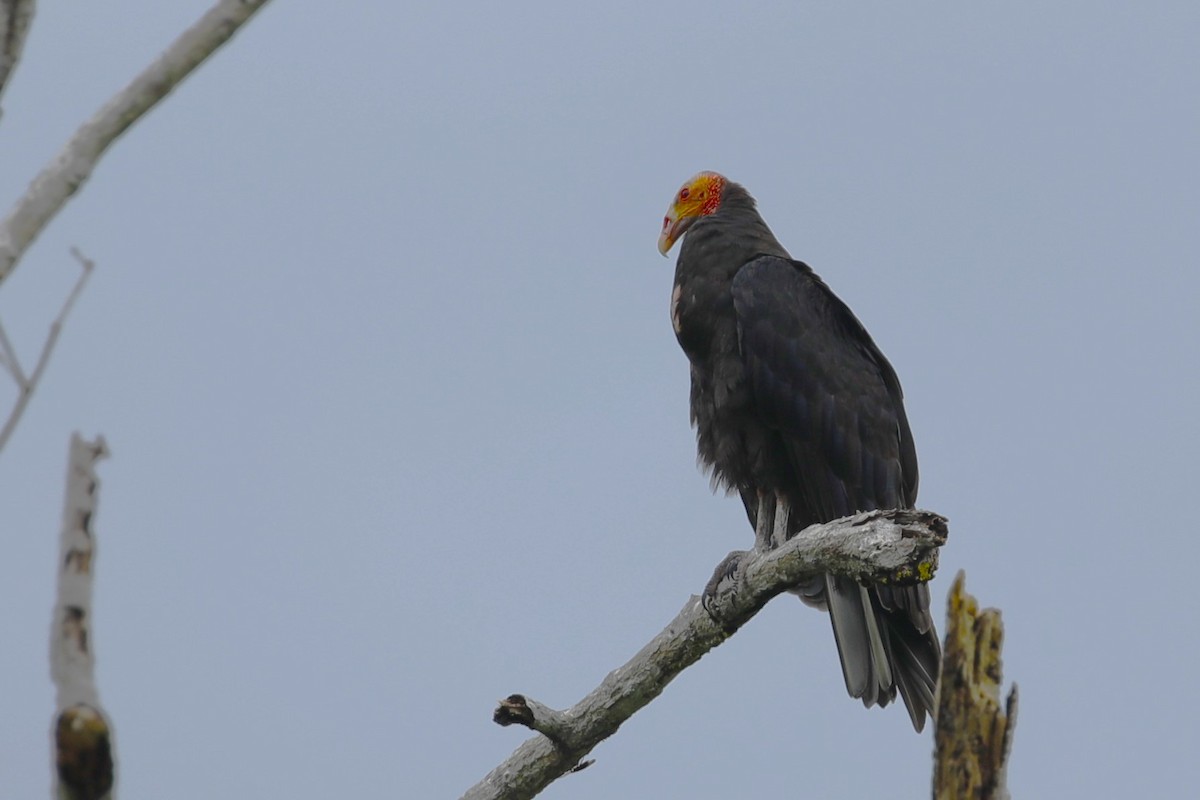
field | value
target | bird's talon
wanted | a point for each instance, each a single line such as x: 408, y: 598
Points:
x: 725, y: 572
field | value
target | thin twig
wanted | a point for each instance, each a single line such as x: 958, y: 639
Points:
x: 26, y: 386
x: 9, y: 360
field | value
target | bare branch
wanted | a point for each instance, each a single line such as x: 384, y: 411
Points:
x: 82, y: 736
x: 72, y: 167
x: 878, y: 546
x: 15, y: 18
x: 974, y: 734
x: 26, y: 385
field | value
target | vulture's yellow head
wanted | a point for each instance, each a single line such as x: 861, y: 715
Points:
x: 697, y: 198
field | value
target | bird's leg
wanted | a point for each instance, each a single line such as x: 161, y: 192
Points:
x: 780, y: 534
x: 764, y: 521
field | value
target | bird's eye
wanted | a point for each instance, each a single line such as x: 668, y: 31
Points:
x: 683, y: 193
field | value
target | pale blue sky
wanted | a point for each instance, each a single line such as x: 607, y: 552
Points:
x: 378, y: 337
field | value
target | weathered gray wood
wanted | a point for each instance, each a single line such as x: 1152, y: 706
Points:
x: 896, y: 546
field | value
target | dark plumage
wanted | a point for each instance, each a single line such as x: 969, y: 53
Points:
x: 797, y: 410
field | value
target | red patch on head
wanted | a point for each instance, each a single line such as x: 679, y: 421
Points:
x: 715, y: 187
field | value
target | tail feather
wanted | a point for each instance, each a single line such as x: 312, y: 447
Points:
x: 859, y: 641
x: 912, y: 600
x: 886, y: 643
x: 916, y: 659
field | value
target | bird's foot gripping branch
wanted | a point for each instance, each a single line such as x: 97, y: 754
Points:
x: 893, y: 547
x: 724, y: 579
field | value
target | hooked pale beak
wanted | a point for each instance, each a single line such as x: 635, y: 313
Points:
x: 673, y: 228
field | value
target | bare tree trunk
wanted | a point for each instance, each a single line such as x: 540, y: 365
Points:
x: 973, y: 736
x: 82, y: 734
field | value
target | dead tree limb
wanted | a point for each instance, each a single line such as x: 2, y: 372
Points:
x: 898, y: 546
x: 973, y: 733
x: 73, y: 165
x: 82, y: 735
